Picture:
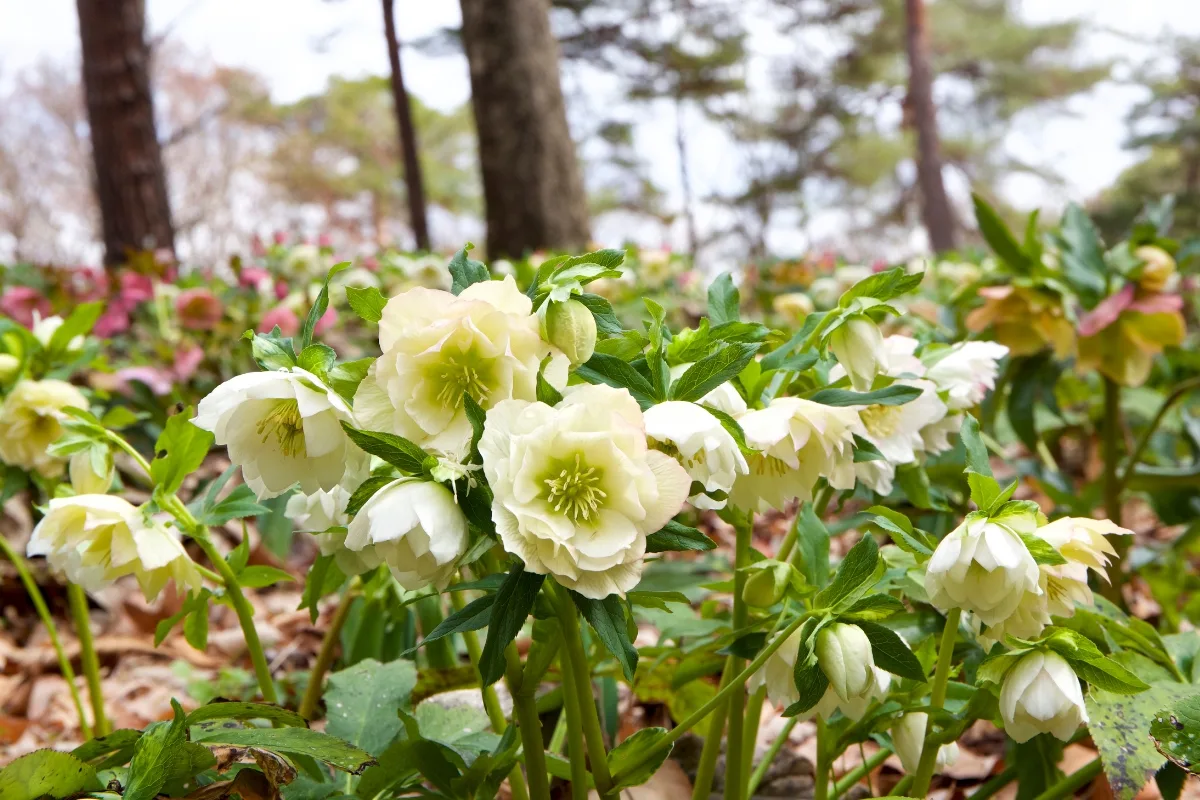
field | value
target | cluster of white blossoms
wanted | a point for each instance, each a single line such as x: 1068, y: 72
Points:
x: 30, y: 421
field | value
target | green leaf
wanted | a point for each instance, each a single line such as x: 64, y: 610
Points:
x: 395, y: 450
x: 179, y: 451
x: 895, y: 395
x: 238, y: 504
x: 891, y: 653
x: 607, y: 323
x: 810, y: 680
x: 110, y: 750
x: 873, y: 607
x: 713, y: 370
x: 47, y: 774
x: 515, y: 596
x: 260, y: 575
x: 345, y: 378
x: 157, y: 757
x: 473, y: 616
x: 1119, y: 726
x: 854, y: 577
x: 119, y: 417
x: 984, y: 490
x: 365, y: 492
x: 323, y: 578
x: 977, y: 455
x: 225, y: 709
x: 724, y: 301
x: 607, y: 618
x: 318, y: 359
x: 291, y: 742
x: 79, y: 322
x: 865, y: 450
x: 812, y: 543
x: 610, y: 370
x: 629, y: 752
x: 368, y: 303
x: 657, y: 600
x: 195, y: 628
x: 546, y: 393
x: 466, y: 271
x: 1170, y: 780
x: 1082, y: 254
x: 675, y: 536
x: 320, y: 306
x: 361, y: 702
x: 999, y: 237
x: 1042, y: 551
x: 272, y: 350
x: 882, y: 286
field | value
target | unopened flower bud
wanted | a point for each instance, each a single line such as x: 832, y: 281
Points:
x: 908, y: 740
x: 571, y: 328
x: 1041, y: 694
x: 10, y: 365
x: 91, y: 470
x: 766, y: 585
x: 858, y: 346
x: 844, y: 654
x: 1157, y: 268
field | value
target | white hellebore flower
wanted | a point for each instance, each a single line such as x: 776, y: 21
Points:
x: 283, y: 428
x: 320, y: 511
x: 45, y: 328
x: 1041, y: 694
x: 778, y: 675
x: 96, y: 538
x: 896, y: 430
x: 983, y: 567
x: 844, y: 655
x: 438, y: 347
x: 577, y: 489
x: 908, y: 739
x: 1081, y: 541
x: 29, y: 424
x: 798, y: 442
x: 700, y: 442
x: 967, y: 372
x: 416, y: 528
x: 858, y: 346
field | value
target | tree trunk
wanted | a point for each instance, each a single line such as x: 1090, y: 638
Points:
x: 131, y: 184
x: 935, y: 205
x: 413, y: 180
x: 685, y: 180
x: 531, y: 179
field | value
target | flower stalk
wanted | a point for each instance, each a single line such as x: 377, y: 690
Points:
x: 734, y: 744
x: 712, y: 742
x: 329, y: 643
x: 937, y: 699
x: 87, y: 657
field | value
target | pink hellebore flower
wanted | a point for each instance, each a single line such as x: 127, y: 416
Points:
x: 22, y: 302
x: 327, y: 321
x: 136, y: 288
x: 198, y: 309
x: 1121, y: 335
x: 283, y: 317
x: 254, y: 277
x: 114, y: 320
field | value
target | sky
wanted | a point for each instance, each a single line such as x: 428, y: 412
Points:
x: 298, y: 44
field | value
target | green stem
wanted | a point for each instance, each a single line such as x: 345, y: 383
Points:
x: 1135, y: 455
x: 39, y: 603
x: 1112, y: 441
x: 821, y: 774
x: 901, y: 788
x: 1073, y: 782
x: 768, y: 758
x: 439, y: 654
x: 593, y: 734
x: 572, y: 713
x: 702, y: 787
x: 937, y: 699
x: 735, y: 685
x: 750, y: 729
x: 734, y: 744
x: 864, y: 769
x: 325, y: 656
x: 529, y: 725
x: 994, y: 784
x: 87, y: 656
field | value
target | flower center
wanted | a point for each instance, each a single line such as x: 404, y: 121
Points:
x: 881, y: 421
x: 576, y: 491
x: 459, y: 375
x: 764, y: 465
x: 286, y: 425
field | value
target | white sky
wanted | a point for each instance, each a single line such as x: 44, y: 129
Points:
x: 298, y: 44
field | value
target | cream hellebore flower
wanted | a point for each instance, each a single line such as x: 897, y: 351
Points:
x: 1041, y: 694
x: 1081, y: 541
x: 908, y: 739
x: 844, y: 655
x: 896, y: 430
x: 29, y: 424
x: 798, y: 442
x: 698, y: 440
x: 319, y: 512
x: 967, y: 372
x: 858, y: 346
x: 438, y: 347
x: 778, y: 676
x: 283, y: 428
x: 91, y: 470
x: 94, y: 539
x: 414, y: 527
x: 577, y: 489
x: 984, y: 567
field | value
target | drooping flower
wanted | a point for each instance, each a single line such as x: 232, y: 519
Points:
x: 693, y: 436
x: 283, y: 428
x: 983, y: 567
x: 844, y: 655
x: 29, y: 424
x: 858, y: 346
x: 1041, y: 694
x: 1024, y: 319
x: 1121, y: 336
x: 908, y: 740
x: 798, y: 442
x: 414, y: 527
x: 319, y: 511
x: 967, y: 372
x: 438, y: 347
x: 94, y: 539
x: 1082, y: 542
x: 198, y: 309
x: 577, y: 489
x: 896, y: 430
x: 21, y: 303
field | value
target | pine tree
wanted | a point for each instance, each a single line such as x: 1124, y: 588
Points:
x: 414, y: 182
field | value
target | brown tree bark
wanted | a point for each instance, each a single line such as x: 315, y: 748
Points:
x: 532, y: 184
x: 413, y: 180
x: 131, y: 184
x: 936, y: 213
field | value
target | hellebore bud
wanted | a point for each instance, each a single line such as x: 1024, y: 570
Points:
x: 91, y: 470
x: 1157, y: 268
x: 767, y: 583
x: 570, y: 326
x: 9, y: 367
x: 858, y: 346
x: 844, y: 654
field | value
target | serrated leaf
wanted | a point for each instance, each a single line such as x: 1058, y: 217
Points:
x: 675, y: 536
x: 882, y: 286
x: 259, y: 575
x: 110, y: 750
x: 473, y: 616
x: 47, y: 774
x: 895, y: 395
x: 1042, y: 551
x: 156, y: 757
x: 179, y: 451
x: 1120, y: 726
x: 238, y: 504
x: 629, y: 752
x: 226, y: 709
x: 395, y: 450
x: 977, y: 455
x: 272, y: 350
x: 812, y: 545
x: 724, y: 301
x: 853, y: 578
x: 713, y: 370
x: 516, y: 596
x: 873, y: 607
x: 607, y: 618
x: 610, y: 370
x: 607, y: 323
x: 466, y: 271
x: 891, y: 653
x: 365, y: 492
x: 367, y: 302
x: 320, y: 306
